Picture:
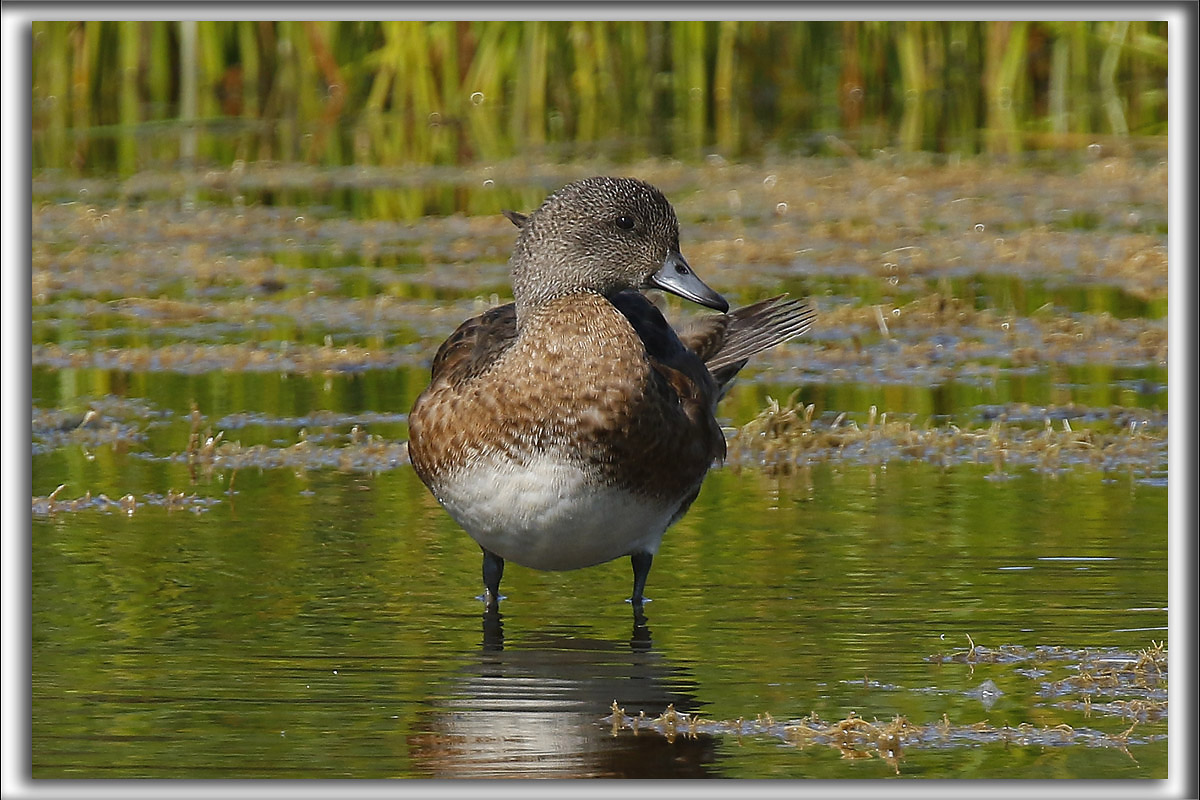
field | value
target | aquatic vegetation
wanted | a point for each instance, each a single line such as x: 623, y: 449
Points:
x: 785, y: 437
x: 51, y: 504
x: 196, y: 359
x: 368, y: 453
x: 1112, y: 673
x: 857, y: 738
x: 108, y: 421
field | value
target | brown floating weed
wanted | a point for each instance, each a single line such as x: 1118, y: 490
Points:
x: 785, y: 436
x: 127, y: 504
x: 1142, y: 675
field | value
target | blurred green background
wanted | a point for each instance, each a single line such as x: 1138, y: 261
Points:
x: 455, y: 92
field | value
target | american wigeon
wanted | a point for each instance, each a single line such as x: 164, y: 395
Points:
x: 574, y: 425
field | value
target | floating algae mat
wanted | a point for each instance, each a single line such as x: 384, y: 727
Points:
x: 236, y: 572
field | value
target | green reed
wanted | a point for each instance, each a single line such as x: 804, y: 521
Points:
x: 450, y: 92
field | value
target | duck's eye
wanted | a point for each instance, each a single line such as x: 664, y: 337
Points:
x: 625, y: 222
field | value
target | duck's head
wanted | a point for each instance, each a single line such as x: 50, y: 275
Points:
x: 602, y: 235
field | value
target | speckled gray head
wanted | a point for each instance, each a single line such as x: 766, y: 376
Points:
x: 602, y: 235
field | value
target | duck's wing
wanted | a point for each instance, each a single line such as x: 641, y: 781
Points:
x: 475, y: 345
x: 705, y: 335
x: 726, y: 341
x: 679, y: 371
x: 661, y: 342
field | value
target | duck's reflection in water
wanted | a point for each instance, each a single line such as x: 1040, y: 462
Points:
x: 533, y: 708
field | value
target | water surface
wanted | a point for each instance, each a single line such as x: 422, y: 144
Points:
x: 241, y: 576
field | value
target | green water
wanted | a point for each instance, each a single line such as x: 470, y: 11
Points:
x: 327, y: 625
x: 295, y: 607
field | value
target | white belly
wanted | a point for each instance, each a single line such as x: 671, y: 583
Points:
x: 548, y: 516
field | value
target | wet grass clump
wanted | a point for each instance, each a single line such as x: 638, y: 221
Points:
x: 109, y: 421
x: 191, y: 359
x: 207, y: 454
x: 366, y: 453
x: 1134, y: 682
x: 857, y: 738
x: 785, y: 437
x: 51, y: 504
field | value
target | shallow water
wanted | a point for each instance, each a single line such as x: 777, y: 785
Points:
x: 326, y: 625
x: 242, y: 577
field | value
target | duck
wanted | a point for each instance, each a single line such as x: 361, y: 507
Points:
x: 575, y: 425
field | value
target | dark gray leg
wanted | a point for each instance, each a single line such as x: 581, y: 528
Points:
x: 641, y: 571
x: 493, y: 571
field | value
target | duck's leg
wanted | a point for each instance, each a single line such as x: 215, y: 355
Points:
x: 641, y: 570
x: 493, y: 571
